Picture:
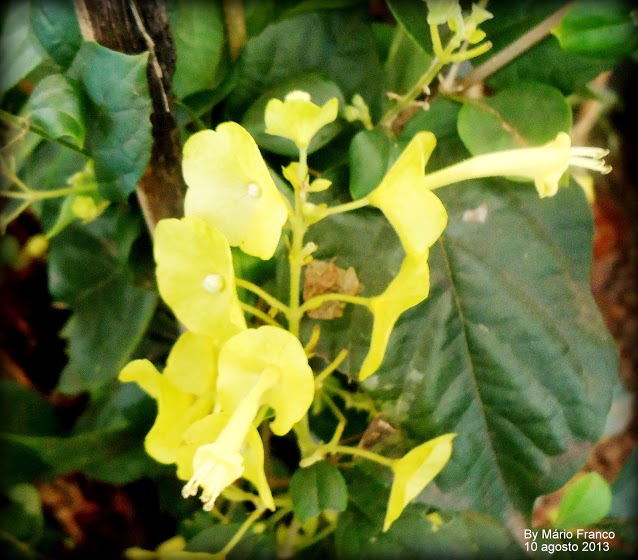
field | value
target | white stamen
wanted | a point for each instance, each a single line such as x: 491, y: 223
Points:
x: 213, y: 283
x: 593, y: 164
x: 254, y: 190
x: 589, y: 151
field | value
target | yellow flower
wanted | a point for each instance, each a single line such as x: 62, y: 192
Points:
x: 416, y: 214
x: 195, y: 277
x: 245, y: 357
x: 544, y: 165
x: 184, y: 392
x: 217, y: 465
x: 230, y: 186
x: 298, y: 118
x: 414, y: 471
x: 409, y: 287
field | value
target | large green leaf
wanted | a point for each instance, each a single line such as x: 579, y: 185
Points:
x: 510, y: 119
x: 339, y: 44
x: 198, y: 31
x: 119, y: 133
x: 88, y: 269
x: 509, y: 351
x: 20, y: 51
x: 55, y: 24
x: 56, y: 106
x: 412, y: 16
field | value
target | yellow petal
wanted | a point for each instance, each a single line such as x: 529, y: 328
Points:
x: 230, y: 186
x: 417, y: 215
x: 144, y: 373
x: 298, y: 118
x: 253, y: 454
x: 244, y: 358
x: 410, y: 286
x: 192, y: 364
x: 414, y: 471
x: 195, y: 277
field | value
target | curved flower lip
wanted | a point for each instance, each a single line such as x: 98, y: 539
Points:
x: 195, y: 277
x: 414, y: 471
x: 243, y: 360
x: 417, y: 215
x: 544, y: 165
x: 230, y: 187
x: 408, y: 288
x: 177, y: 408
x: 297, y: 118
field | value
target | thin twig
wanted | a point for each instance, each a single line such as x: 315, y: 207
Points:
x: 509, y: 53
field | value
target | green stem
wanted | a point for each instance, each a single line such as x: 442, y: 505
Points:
x: 347, y: 207
x: 331, y: 367
x: 371, y: 456
x: 254, y: 516
x: 32, y: 195
x: 263, y: 294
x: 304, y: 438
x: 298, y: 225
x: 288, y: 549
x: 407, y: 100
x: 20, y: 122
x: 334, y: 441
x: 316, y: 301
x: 259, y: 313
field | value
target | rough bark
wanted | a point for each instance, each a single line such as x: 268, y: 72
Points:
x: 132, y: 27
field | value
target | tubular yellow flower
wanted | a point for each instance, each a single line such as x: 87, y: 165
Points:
x: 230, y: 186
x: 544, y: 165
x: 184, y: 392
x: 218, y: 464
x: 409, y: 287
x: 202, y: 432
x: 245, y: 357
x: 414, y: 471
x: 417, y: 215
x: 195, y: 277
x: 298, y: 118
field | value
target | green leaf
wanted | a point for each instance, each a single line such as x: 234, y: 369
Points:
x: 512, y: 118
x: 21, y: 51
x: 252, y: 545
x: 318, y: 488
x: 598, y: 29
x: 343, y: 50
x: 412, y: 16
x: 21, y: 515
x: 321, y: 91
x: 56, y: 106
x: 509, y: 350
x: 88, y: 269
x: 198, y: 31
x: 586, y: 502
x: 371, y: 154
x: 546, y: 61
x: 119, y: 134
x: 55, y: 24
x: 625, y: 489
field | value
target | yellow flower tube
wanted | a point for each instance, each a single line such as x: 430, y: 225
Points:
x: 544, y: 165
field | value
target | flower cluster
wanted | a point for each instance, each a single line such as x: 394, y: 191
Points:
x: 223, y: 378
